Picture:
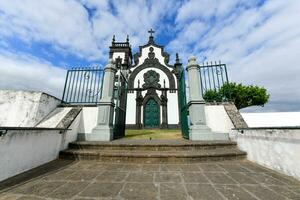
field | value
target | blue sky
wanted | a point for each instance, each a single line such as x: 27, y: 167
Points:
x: 259, y: 40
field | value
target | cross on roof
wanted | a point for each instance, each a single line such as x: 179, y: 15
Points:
x: 151, y: 32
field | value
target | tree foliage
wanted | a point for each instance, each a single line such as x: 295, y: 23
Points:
x: 242, y: 96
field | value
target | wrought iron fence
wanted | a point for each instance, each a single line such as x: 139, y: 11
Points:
x: 213, y: 77
x: 83, y: 86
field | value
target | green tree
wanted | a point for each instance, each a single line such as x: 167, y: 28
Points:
x: 242, y: 96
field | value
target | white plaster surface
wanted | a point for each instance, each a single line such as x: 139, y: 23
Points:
x: 22, y: 150
x: 158, y: 55
x: 25, y: 108
x: 272, y: 119
x: 278, y: 149
x: 131, y: 108
x: 217, y: 119
x: 54, y: 118
x: 173, y: 114
x: 88, y: 119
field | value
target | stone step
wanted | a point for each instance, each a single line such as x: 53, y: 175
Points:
x: 153, y: 156
x: 153, y: 145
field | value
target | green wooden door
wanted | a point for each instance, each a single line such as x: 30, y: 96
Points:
x: 151, y: 114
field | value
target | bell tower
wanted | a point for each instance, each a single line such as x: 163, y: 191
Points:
x: 121, y: 53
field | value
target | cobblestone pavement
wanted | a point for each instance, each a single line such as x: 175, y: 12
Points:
x: 211, y: 180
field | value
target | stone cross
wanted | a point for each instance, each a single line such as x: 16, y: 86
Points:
x: 151, y: 32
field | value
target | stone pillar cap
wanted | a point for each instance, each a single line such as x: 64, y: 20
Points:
x: 110, y: 64
x: 192, y: 61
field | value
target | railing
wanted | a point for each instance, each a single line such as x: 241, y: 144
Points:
x: 213, y: 79
x: 83, y: 86
x: 213, y: 76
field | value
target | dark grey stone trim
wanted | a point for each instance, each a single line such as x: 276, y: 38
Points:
x: 235, y: 116
x: 154, y: 63
x: 69, y: 118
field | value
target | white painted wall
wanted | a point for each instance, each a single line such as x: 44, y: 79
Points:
x: 217, y: 119
x: 158, y: 55
x: 272, y: 119
x: 173, y: 114
x: 55, y: 117
x: 25, y: 108
x: 131, y: 108
x: 22, y: 150
x: 88, y: 119
x: 278, y: 149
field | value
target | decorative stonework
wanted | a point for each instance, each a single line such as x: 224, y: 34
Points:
x: 151, y: 79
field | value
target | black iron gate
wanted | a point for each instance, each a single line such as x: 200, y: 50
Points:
x: 213, y: 77
x: 120, y: 96
x: 183, y: 107
x: 83, y: 86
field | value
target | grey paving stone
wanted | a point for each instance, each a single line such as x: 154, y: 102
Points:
x: 60, y: 175
x: 9, y: 196
x: 107, y: 190
x: 132, y: 167
x: 264, y: 179
x: 284, y: 191
x: 219, y: 178
x: 252, y: 167
x: 283, y: 178
x: 144, y: 191
x: 206, y: 167
x: 111, y: 176
x: 173, y: 177
x: 39, y: 188
x: 151, y: 167
x: 113, y: 167
x: 83, y: 175
x: 140, y: 177
x: 295, y: 189
x: 233, y: 168
x: 97, y: 167
x: 146, y: 181
x: 234, y: 192
x: 172, y: 191
x: 30, y: 198
x: 170, y: 167
x: 68, y: 190
x: 241, y: 178
x: 262, y: 192
x: 202, y: 192
x: 190, y: 168
x: 194, y: 177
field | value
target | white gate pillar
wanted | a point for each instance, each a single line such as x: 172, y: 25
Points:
x: 104, y: 129
x: 198, y: 128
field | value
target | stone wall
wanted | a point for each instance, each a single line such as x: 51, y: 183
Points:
x: 276, y: 148
x: 25, y: 108
x: 27, y: 148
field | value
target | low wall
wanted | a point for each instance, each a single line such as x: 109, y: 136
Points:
x: 272, y: 119
x: 25, y: 108
x: 275, y: 148
x: 26, y: 148
x: 217, y: 119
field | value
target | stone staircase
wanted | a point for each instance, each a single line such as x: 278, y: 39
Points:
x: 153, y: 151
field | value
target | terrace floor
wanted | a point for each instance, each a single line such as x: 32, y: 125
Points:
x: 80, y: 180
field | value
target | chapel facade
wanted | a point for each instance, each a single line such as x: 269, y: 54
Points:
x: 152, y: 95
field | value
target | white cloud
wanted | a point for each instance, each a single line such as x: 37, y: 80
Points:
x: 30, y: 73
x: 261, y: 45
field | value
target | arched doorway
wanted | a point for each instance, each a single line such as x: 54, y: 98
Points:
x: 151, y: 114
